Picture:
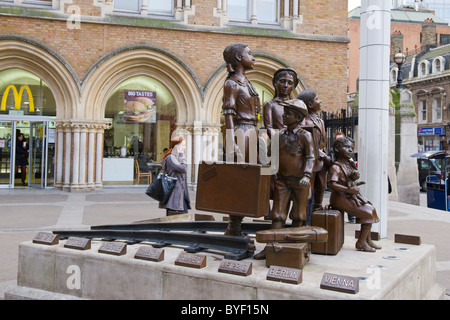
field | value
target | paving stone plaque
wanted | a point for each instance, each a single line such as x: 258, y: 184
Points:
x: 46, y: 238
x: 191, y: 260
x: 149, y: 254
x: 78, y: 243
x: 286, y: 275
x: 239, y: 268
x: 113, y: 248
x: 336, y: 282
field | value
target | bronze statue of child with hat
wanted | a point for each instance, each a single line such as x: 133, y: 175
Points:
x: 296, y: 161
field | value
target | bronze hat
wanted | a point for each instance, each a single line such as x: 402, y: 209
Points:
x: 296, y: 104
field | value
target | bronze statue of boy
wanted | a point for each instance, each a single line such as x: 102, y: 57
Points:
x: 296, y: 161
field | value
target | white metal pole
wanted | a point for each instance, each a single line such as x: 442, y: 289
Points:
x: 373, y: 125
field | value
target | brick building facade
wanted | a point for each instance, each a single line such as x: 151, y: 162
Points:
x: 80, y: 58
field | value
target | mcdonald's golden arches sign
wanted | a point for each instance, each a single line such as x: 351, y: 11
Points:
x: 17, y: 97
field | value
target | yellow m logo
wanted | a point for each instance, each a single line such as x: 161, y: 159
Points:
x: 17, y: 97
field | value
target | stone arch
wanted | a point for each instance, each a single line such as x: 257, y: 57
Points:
x: 29, y: 55
x: 129, y: 62
x: 262, y: 73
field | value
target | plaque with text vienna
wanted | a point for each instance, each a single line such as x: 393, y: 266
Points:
x: 239, y: 268
x: 286, y: 275
x: 46, y: 238
x: 78, y: 243
x: 191, y: 260
x: 336, y: 282
x: 149, y: 254
x: 113, y: 248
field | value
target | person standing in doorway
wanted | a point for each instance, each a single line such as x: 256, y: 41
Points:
x: 21, y: 157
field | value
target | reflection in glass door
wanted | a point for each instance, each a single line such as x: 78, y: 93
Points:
x: 6, y: 156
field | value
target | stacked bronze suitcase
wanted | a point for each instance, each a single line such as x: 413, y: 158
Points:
x: 332, y: 221
x: 289, y: 247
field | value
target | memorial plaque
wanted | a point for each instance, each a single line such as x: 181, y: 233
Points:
x: 191, y: 260
x: 149, y: 254
x: 114, y: 248
x: 286, y: 275
x: 402, y: 238
x: 78, y: 243
x: 239, y: 268
x: 49, y: 239
x: 340, y: 283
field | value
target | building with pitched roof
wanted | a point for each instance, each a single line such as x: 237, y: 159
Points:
x: 406, y: 21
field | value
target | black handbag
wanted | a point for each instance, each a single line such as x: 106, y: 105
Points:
x: 161, y: 188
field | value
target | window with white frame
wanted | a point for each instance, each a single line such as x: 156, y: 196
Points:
x: 46, y: 3
x: 437, y: 109
x: 438, y: 65
x: 127, y: 5
x: 422, y: 111
x: 424, y: 68
x: 161, y: 7
x: 264, y: 11
x: 393, y: 77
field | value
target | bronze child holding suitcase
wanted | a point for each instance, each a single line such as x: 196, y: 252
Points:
x: 346, y: 196
x: 296, y: 160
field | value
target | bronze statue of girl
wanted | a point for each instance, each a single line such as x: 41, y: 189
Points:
x: 346, y: 196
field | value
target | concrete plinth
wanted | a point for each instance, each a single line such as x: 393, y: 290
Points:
x: 398, y: 271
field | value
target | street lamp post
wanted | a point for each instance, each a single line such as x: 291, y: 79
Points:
x: 399, y: 59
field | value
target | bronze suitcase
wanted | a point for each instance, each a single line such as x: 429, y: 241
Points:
x: 289, y: 255
x: 333, y: 222
x: 300, y: 234
x: 232, y: 188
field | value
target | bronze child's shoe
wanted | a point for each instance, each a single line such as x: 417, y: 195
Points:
x: 374, y: 245
x: 364, y: 246
x: 260, y: 255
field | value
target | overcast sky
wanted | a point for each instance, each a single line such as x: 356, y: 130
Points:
x: 352, y: 4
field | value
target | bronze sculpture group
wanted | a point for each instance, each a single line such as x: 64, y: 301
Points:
x: 303, y: 162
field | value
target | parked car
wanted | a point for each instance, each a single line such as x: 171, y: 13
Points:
x: 431, y: 165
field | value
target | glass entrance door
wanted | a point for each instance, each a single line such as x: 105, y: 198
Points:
x: 38, y: 152
x: 6, y: 156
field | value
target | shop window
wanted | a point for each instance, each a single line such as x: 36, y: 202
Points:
x: 264, y: 11
x: 141, y: 113
x: 23, y: 93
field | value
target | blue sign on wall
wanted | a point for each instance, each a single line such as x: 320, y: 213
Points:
x: 431, y: 131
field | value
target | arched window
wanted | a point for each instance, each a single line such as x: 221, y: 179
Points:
x: 438, y: 64
x: 424, y: 68
x: 23, y: 93
x: 141, y: 117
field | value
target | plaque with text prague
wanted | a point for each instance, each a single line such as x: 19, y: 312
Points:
x: 113, y: 248
x: 78, y: 243
x: 46, y: 238
x: 340, y: 283
x: 239, y: 268
x: 149, y: 254
x: 286, y: 275
x: 191, y: 260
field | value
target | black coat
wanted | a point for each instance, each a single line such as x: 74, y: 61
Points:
x: 21, y: 154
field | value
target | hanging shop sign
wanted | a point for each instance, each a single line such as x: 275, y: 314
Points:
x: 17, y: 97
x: 139, y: 106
